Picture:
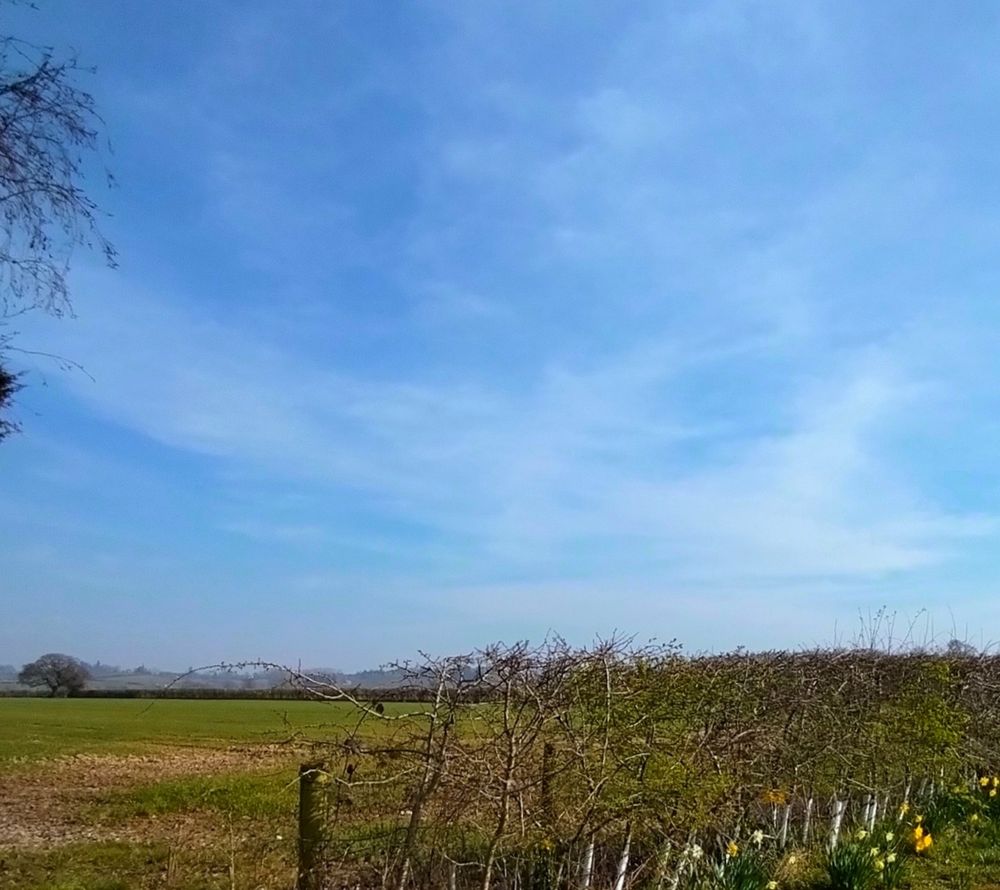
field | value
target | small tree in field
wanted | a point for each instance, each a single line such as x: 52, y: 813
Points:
x: 62, y: 674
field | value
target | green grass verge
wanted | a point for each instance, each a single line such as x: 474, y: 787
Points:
x: 121, y: 866
x: 962, y: 859
x: 106, y: 866
x: 965, y: 858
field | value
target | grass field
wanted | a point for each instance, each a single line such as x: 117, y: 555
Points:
x: 108, y: 794
x: 33, y: 728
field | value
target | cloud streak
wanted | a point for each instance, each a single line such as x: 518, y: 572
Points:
x: 597, y: 466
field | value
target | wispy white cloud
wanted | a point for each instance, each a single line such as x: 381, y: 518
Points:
x: 601, y: 456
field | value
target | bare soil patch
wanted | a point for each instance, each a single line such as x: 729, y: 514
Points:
x: 46, y: 804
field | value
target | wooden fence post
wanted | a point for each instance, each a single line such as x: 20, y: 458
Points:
x: 313, y: 781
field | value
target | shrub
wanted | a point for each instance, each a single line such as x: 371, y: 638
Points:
x: 851, y: 865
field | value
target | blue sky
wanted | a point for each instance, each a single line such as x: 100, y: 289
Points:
x: 444, y: 323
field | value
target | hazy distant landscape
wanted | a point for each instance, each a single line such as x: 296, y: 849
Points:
x: 112, y: 677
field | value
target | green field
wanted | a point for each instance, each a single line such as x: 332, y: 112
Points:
x: 33, y: 728
x: 114, y: 794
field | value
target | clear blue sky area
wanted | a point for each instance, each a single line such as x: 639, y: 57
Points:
x: 439, y: 323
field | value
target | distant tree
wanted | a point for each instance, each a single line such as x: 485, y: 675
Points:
x: 47, y: 127
x: 62, y: 674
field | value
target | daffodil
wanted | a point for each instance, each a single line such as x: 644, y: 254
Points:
x: 772, y: 885
x: 984, y: 781
x: 974, y: 818
x: 792, y: 859
x: 918, y: 832
x: 875, y: 851
x: 862, y: 834
x: 904, y: 808
x: 993, y: 792
x: 891, y: 857
x: 880, y: 865
x: 889, y: 837
x: 757, y: 837
x: 732, y: 848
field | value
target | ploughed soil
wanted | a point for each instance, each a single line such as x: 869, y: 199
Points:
x: 50, y: 802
